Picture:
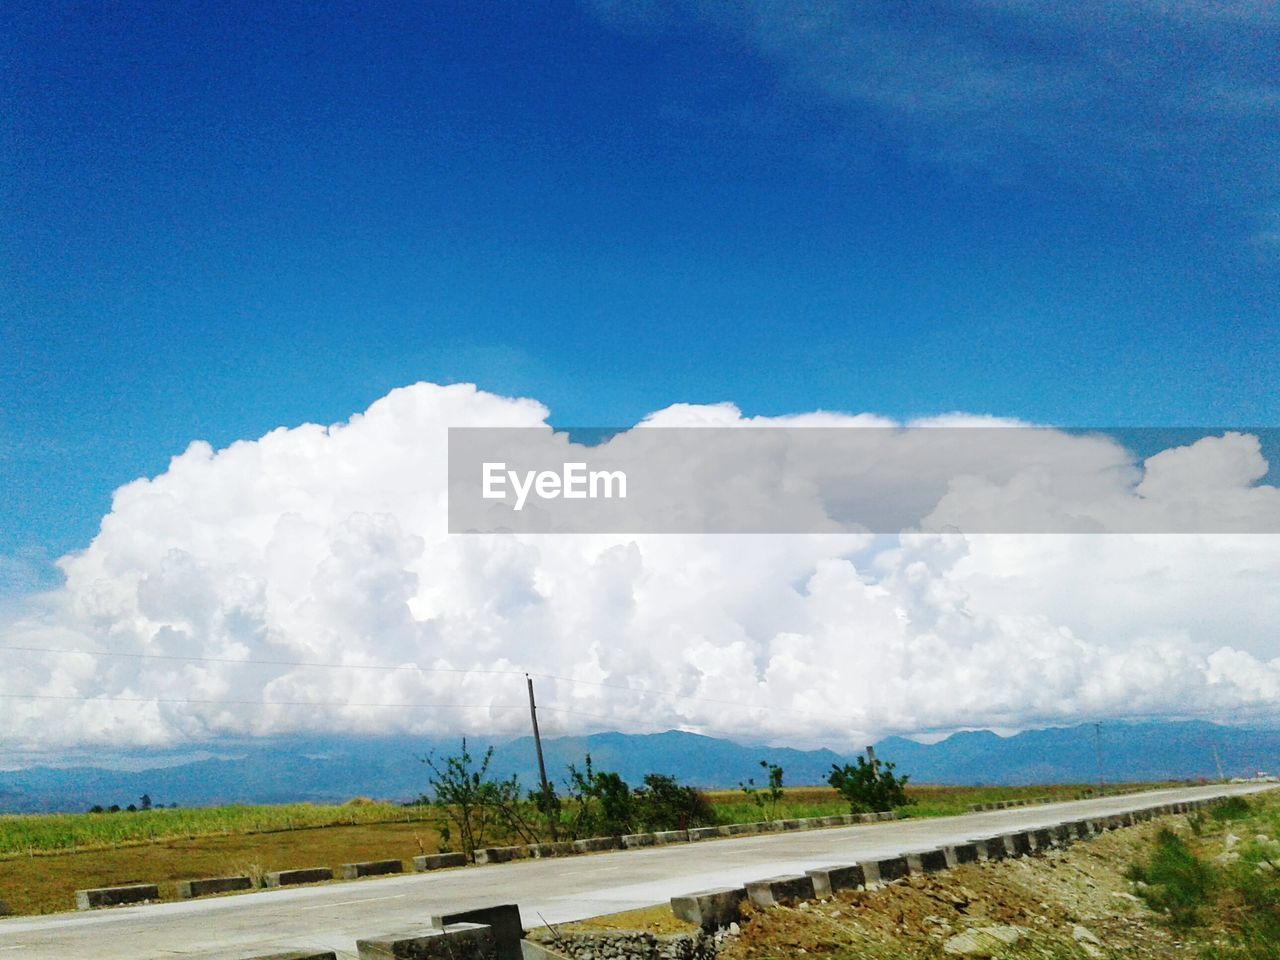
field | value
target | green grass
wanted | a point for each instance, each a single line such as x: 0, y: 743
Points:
x: 44, y: 833
x: 1174, y: 881
x: 1242, y: 895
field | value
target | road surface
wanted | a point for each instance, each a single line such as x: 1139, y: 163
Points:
x: 333, y: 916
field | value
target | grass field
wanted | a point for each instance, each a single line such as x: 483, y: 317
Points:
x: 43, y: 833
x: 44, y: 859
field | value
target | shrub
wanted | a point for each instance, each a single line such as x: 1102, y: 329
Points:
x: 664, y: 804
x: 600, y: 801
x: 768, y: 800
x: 1175, y: 881
x: 464, y: 794
x: 869, y: 787
x: 1233, y: 808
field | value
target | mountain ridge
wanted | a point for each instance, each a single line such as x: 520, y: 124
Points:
x: 328, y: 769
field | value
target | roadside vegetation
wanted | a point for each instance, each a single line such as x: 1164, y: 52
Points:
x: 1204, y: 886
x: 1219, y: 884
x: 45, y: 858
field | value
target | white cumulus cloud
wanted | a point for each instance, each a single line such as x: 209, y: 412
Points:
x: 306, y: 581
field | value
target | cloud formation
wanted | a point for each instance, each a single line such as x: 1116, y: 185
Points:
x: 327, y: 546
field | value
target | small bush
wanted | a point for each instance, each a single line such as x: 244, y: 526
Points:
x: 1175, y: 881
x: 869, y: 787
x: 1233, y: 808
x: 664, y: 804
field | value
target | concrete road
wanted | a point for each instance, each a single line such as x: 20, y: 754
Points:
x: 334, y: 915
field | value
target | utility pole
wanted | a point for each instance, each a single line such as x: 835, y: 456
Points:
x: 871, y: 759
x: 1097, y: 750
x: 542, y: 767
x: 1217, y: 762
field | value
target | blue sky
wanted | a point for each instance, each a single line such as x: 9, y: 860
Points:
x: 226, y: 217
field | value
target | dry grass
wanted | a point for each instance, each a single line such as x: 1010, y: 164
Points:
x: 657, y: 919
x: 47, y: 884
x: 68, y: 852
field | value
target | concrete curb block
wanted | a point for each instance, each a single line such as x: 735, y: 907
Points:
x: 958, y: 853
x: 1018, y: 844
x: 438, y: 861
x: 296, y: 955
x: 710, y: 909
x: 500, y: 854
x: 991, y: 848
x: 671, y: 836
x: 98, y: 897
x: 503, y: 919
x: 459, y: 939
x: 561, y: 848
x: 791, y: 888
x: 208, y: 885
x: 371, y: 868
x: 286, y: 878
x: 633, y: 841
x: 927, y: 861
x: 596, y: 844
x: 828, y: 880
x: 885, y: 870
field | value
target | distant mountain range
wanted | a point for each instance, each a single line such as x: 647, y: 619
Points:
x: 337, y: 769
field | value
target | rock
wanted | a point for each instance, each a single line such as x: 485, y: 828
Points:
x: 983, y: 942
x: 1230, y: 840
x: 1227, y: 856
x: 1084, y: 935
x: 734, y: 929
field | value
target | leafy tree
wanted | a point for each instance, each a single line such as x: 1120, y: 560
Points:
x: 869, y: 787
x: 96, y: 808
x: 145, y: 801
x: 114, y: 808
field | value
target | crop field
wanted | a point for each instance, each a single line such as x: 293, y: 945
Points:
x: 44, y: 859
x: 45, y: 833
